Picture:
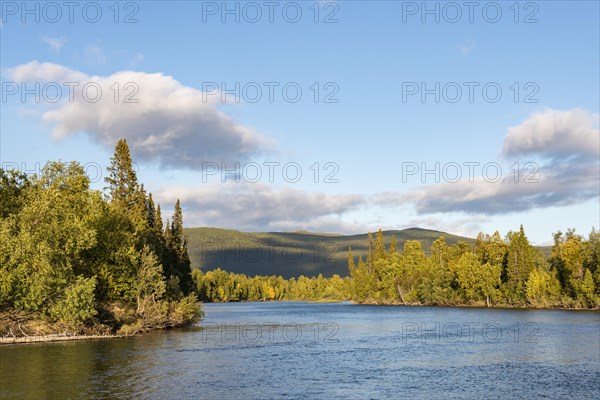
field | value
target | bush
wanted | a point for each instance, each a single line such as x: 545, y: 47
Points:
x: 78, y: 305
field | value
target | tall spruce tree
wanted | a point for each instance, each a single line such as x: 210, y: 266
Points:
x: 158, y: 222
x: 379, y: 245
x: 177, y: 229
x: 122, y: 179
x: 150, y: 211
x: 393, y: 245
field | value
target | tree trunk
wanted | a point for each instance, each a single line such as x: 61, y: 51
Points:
x: 400, y: 293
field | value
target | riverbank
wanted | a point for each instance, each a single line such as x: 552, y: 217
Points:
x: 52, y: 338
x: 500, y: 306
x: 61, y: 337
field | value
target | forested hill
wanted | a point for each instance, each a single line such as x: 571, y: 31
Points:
x: 290, y: 254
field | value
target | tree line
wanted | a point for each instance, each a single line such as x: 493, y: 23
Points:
x: 494, y: 271
x: 105, y: 262
x: 220, y: 286
x: 88, y: 260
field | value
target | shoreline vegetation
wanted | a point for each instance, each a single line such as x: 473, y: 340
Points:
x: 77, y: 263
x: 90, y: 262
x: 492, y: 272
x: 66, y: 336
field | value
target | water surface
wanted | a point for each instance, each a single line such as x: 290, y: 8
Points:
x: 331, y: 350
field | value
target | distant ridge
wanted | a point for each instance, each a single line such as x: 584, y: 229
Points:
x: 291, y: 254
x: 312, y: 233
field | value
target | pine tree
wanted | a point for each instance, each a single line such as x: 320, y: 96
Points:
x: 177, y: 229
x: 393, y: 245
x: 351, y: 265
x: 122, y: 179
x: 150, y: 211
x: 379, y: 247
x: 167, y: 234
x: 158, y: 222
x: 176, y: 259
x: 362, y: 281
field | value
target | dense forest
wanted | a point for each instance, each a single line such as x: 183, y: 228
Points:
x: 494, y: 271
x: 491, y: 272
x: 81, y: 260
x: 221, y: 286
x: 291, y: 254
x: 101, y: 262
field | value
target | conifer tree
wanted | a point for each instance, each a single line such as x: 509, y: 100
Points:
x: 379, y: 247
x: 351, y: 265
x: 393, y: 245
x: 177, y: 229
x: 122, y: 179
x: 150, y: 211
x: 167, y: 233
x: 158, y: 222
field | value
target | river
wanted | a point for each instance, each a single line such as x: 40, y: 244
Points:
x: 324, y: 350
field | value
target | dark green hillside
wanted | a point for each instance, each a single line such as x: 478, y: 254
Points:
x: 290, y: 254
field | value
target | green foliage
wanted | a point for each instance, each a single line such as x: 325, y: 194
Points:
x: 13, y: 185
x: 78, y: 304
x: 220, y: 286
x: 122, y: 180
x: 67, y: 253
x: 325, y: 254
x: 479, y: 281
x: 491, y: 271
x: 543, y: 288
x: 586, y: 290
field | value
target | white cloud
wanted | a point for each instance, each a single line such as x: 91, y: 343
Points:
x: 55, y: 43
x: 567, y: 144
x: 45, y: 72
x: 94, y: 55
x: 466, y: 48
x: 136, y: 59
x: 555, y: 134
x: 255, y: 206
x: 468, y: 226
x: 170, y: 123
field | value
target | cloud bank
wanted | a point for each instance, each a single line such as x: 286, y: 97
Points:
x: 567, y: 143
x: 163, y: 120
x: 256, y: 206
x: 176, y: 126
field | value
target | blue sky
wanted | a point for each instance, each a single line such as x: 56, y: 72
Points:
x: 368, y: 127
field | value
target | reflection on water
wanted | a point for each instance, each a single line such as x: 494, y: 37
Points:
x: 338, y: 350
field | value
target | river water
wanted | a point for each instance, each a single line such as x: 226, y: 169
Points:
x: 324, y: 350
